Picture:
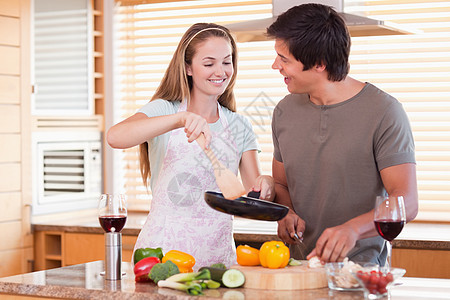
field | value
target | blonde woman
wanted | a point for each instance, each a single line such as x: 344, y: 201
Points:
x: 195, y: 97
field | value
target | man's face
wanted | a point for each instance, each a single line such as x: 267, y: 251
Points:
x: 297, y: 80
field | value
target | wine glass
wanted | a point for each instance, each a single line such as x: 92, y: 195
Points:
x: 112, y: 215
x: 112, y: 212
x: 389, y: 219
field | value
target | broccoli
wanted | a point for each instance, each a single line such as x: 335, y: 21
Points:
x: 162, y: 271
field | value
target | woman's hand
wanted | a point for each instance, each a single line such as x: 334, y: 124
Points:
x: 266, y: 186
x: 194, y: 125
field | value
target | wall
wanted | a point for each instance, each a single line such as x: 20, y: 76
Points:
x: 16, y: 242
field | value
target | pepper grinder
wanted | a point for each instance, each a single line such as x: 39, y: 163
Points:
x: 112, y: 217
x: 113, y: 256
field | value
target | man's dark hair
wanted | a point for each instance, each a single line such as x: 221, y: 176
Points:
x: 315, y: 35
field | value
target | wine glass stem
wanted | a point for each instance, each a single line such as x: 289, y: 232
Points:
x: 389, y: 255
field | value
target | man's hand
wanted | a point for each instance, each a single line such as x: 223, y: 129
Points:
x: 289, y: 225
x: 335, y: 243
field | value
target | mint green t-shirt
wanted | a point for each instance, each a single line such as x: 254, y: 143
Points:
x: 240, y: 127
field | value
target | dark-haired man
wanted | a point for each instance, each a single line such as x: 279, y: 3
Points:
x: 338, y: 142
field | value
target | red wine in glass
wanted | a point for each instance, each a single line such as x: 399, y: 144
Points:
x: 112, y: 212
x: 389, y: 229
x: 112, y: 223
x: 389, y: 218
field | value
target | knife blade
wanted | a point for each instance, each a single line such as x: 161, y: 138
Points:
x: 299, y: 245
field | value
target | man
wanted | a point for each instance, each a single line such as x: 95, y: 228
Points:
x: 338, y: 142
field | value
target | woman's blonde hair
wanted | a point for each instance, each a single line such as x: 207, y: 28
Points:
x: 176, y: 84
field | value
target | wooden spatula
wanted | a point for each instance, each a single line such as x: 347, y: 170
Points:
x: 228, y: 183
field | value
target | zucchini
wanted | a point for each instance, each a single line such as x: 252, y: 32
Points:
x: 230, y: 278
x: 216, y: 273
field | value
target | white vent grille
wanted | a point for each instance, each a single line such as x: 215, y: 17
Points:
x: 63, y: 172
x: 67, y: 170
x: 67, y: 123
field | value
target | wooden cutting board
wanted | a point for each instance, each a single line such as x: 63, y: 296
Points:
x: 288, y: 278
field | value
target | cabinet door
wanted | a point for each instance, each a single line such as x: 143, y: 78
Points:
x: 83, y: 247
x: 128, y: 242
x: 422, y: 262
x: 86, y: 247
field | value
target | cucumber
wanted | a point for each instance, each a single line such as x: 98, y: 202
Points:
x: 230, y: 278
x: 233, y: 278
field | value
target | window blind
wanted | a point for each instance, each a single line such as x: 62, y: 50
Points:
x: 416, y: 70
x: 413, y: 68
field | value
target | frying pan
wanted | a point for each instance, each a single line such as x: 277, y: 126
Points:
x: 247, y: 207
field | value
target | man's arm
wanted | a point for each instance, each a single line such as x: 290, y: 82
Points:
x: 292, y: 223
x: 335, y: 242
x: 401, y: 180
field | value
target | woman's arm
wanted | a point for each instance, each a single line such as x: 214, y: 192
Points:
x: 252, y: 178
x: 139, y: 128
x: 249, y: 168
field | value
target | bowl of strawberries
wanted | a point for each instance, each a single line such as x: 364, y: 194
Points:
x: 377, y: 280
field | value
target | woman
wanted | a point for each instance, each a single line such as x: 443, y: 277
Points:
x: 195, y: 97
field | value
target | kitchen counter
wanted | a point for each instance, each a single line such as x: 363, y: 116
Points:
x: 415, y: 235
x: 85, y: 282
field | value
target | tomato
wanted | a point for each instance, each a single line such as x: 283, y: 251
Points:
x: 142, y: 268
x: 374, y: 278
x: 274, y: 255
x: 382, y: 283
x: 364, y: 276
x: 389, y: 277
x: 247, y: 256
x: 375, y: 281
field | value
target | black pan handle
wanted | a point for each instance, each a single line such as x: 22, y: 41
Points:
x: 253, y: 194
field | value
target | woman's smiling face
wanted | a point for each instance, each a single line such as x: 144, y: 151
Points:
x: 211, y: 67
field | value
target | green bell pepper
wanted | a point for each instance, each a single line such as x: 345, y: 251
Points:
x: 147, y: 252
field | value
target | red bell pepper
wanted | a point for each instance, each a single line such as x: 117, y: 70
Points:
x: 142, y: 268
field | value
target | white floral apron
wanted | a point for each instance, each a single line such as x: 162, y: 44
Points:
x: 179, y: 218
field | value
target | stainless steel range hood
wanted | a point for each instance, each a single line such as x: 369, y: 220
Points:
x: 255, y: 30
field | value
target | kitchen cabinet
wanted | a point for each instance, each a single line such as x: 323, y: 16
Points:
x: 422, y: 262
x: 16, y: 126
x: 66, y: 134
x: 16, y: 254
x: 68, y: 54
x: 55, y: 249
x: 84, y: 247
x: 421, y: 253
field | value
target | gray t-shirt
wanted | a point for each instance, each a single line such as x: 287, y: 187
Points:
x: 332, y: 155
x: 240, y: 127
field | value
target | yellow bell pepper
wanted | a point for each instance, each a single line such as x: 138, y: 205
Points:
x: 247, y: 256
x: 184, y: 261
x: 274, y: 255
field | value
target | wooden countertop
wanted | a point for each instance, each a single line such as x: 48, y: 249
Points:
x: 415, y: 235
x: 85, y: 282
